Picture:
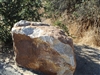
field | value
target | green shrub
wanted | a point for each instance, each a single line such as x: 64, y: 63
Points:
x: 12, y: 11
x: 62, y: 26
x: 88, y: 9
x: 57, y: 7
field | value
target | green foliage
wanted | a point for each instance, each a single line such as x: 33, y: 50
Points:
x: 57, y: 7
x: 88, y: 10
x: 78, y: 8
x: 81, y: 10
x: 88, y: 15
x: 12, y: 11
x: 62, y: 26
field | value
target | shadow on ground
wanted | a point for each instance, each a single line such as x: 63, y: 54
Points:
x: 87, y: 60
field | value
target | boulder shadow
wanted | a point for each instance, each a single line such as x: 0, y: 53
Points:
x: 87, y: 60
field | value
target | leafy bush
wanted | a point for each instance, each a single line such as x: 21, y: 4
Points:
x: 12, y: 11
x: 57, y: 7
x: 89, y: 12
x: 88, y: 9
x: 62, y: 26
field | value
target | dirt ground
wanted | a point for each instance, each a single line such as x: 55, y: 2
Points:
x: 87, y: 58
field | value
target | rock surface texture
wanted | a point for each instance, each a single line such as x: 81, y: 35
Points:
x: 43, y: 48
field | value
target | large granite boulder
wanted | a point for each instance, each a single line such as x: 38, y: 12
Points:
x: 43, y: 48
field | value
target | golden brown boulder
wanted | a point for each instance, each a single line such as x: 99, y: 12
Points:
x: 43, y: 48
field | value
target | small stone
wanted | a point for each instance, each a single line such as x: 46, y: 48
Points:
x: 6, y: 60
x: 22, y: 23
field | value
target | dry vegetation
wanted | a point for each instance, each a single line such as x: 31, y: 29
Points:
x: 82, y: 17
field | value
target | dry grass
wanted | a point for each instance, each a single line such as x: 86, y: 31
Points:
x: 84, y: 32
x: 83, y: 35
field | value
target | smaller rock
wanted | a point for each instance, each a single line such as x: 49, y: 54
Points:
x: 39, y: 24
x: 27, y: 23
x: 6, y: 69
x: 7, y: 60
x: 22, y: 23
